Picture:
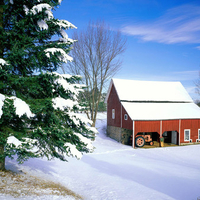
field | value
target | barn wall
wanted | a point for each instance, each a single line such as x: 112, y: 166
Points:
x: 118, y: 129
x: 121, y: 135
x: 147, y: 126
x: 170, y: 125
x: 193, y: 125
x: 127, y: 124
x: 113, y: 103
x: 155, y: 126
x: 126, y: 135
x: 114, y: 133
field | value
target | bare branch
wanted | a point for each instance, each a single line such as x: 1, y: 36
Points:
x: 96, y: 59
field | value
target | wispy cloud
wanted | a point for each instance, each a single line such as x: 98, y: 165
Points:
x: 186, y: 75
x: 178, y: 25
x: 187, y: 78
x: 169, y: 76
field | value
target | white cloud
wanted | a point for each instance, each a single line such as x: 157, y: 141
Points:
x: 165, y: 76
x: 186, y: 75
x: 187, y: 78
x: 178, y: 25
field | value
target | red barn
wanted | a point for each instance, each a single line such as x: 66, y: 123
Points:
x: 159, y: 109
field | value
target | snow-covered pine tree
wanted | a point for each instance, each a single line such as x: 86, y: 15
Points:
x: 39, y: 112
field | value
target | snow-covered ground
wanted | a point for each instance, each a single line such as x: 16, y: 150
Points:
x: 117, y: 172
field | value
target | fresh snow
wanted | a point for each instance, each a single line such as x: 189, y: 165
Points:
x: 16, y: 142
x: 65, y: 24
x: 117, y: 172
x: 43, y: 25
x: 73, y: 150
x: 150, y: 91
x: 59, y: 1
x: 2, y: 98
x: 66, y: 85
x: 61, y: 103
x: 13, y: 140
x: 38, y: 8
x: 21, y: 106
x: 3, y: 62
x: 63, y: 58
x: 161, y: 111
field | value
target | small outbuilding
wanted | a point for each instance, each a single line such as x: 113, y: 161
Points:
x: 155, y: 108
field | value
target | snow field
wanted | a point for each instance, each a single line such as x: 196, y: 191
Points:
x: 117, y: 172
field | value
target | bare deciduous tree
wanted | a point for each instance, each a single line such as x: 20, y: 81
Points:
x: 197, y: 89
x: 96, y: 59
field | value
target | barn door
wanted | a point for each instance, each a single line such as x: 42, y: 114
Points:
x: 174, y: 137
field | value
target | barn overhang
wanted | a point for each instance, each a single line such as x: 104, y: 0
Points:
x: 161, y: 111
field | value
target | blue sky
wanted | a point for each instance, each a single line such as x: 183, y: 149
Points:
x: 163, y: 36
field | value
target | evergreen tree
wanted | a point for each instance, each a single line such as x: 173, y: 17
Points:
x: 38, y: 107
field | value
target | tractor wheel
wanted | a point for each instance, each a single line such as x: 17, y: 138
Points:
x: 151, y: 143
x: 139, y: 141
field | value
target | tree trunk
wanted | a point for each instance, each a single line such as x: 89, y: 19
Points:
x: 2, y: 158
x: 1, y: 25
x: 1, y: 12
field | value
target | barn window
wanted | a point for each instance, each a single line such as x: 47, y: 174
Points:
x: 199, y: 134
x: 187, y: 134
x: 113, y: 113
x: 125, y: 117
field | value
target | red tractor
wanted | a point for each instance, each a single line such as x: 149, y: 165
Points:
x: 141, y: 140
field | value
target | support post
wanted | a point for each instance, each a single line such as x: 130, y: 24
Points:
x: 133, y: 138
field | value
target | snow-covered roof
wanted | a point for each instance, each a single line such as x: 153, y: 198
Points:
x: 161, y: 111
x: 132, y: 90
x: 155, y: 100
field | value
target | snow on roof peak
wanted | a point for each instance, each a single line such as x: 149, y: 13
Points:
x: 160, y: 91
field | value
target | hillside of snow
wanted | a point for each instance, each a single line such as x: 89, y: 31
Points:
x: 117, y: 172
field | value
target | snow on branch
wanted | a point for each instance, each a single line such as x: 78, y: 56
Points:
x: 43, y: 25
x: 63, y: 57
x: 2, y: 98
x: 38, y: 8
x: 59, y: 1
x: 76, y: 117
x: 21, y: 106
x: 86, y: 141
x: 61, y: 103
x: 18, y: 143
x: 74, y: 88
x: 3, y: 62
x: 65, y: 24
x: 14, y: 140
x: 72, y: 150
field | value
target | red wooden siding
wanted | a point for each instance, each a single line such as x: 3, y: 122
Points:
x: 127, y: 124
x: 170, y: 125
x: 147, y: 126
x: 113, y: 103
x: 193, y: 125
